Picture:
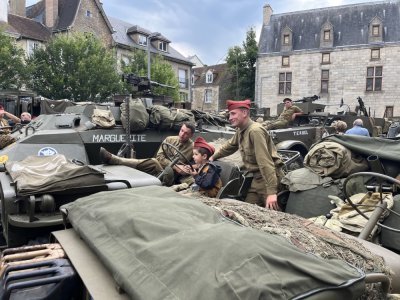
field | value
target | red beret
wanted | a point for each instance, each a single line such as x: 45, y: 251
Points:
x: 231, y: 104
x: 202, y: 143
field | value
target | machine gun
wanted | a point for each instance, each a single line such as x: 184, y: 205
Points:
x: 362, y: 106
x: 307, y: 99
x: 140, y: 86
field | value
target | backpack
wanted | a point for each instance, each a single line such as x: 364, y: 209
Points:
x: 103, y: 118
x: 138, y: 115
x: 163, y: 118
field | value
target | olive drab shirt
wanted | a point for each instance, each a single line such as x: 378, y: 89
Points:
x: 288, y: 113
x: 258, y: 153
x: 186, y: 149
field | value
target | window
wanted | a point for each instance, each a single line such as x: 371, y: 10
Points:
x: 32, y: 46
x: 162, y: 46
x: 285, y: 83
x: 192, y: 79
x: 374, y: 79
x: 183, y: 83
x: 324, y: 81
x: 388, y: 112
x: 209, y: 76
x: 326, y: 58
x: 286, y: 39
x: 285, y: 61
x: 327, y: 35
x: 183, y: 97
x: 375, y: 54
x: 376, y: 30
x: 89, y: 14
x: 208, y: 96
x: 125, y: 59
x: 142, y: 40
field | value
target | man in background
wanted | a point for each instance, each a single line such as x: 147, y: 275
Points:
x: 358, y: 128
x: 289, y: 113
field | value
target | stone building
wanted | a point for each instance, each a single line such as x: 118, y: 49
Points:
x: 337, y: 53
x: 33, y: 26
x: 209, y: 86
x: 128, y: 37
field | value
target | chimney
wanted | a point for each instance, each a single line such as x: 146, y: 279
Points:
x: 4, y: 11
x: 267, y: 13
x: 17, y: 7
x: 51, y: 12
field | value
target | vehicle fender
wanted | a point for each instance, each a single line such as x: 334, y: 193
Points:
x: 294, y: 145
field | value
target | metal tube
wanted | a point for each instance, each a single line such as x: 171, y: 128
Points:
x: 373, y: 220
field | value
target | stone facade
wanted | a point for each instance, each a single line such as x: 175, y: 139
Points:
x: 337, y: 68
x: 209, y: 88
x: 126, y: 40
x: 94, y: 23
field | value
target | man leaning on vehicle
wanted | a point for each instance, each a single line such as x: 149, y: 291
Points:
x: 258, y: 153
x: 289, y: 113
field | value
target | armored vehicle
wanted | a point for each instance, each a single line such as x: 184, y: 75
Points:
x: 310, y: 127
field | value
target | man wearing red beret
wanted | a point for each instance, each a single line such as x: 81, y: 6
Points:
x: 258, y: 153
x: 289, y: 113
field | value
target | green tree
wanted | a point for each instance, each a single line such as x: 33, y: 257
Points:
x: 76, y: 67
x: 13, y: 72
x: 161, y: 72
x: 241, y: 63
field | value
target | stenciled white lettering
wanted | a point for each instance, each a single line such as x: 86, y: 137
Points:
x: 117, y: 138
x: 300, y: 132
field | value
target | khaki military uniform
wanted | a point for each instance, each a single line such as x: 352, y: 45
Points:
x: 185, y: 148
x: 284, y: 118
x: 154, y: 166
x: 260, y: 157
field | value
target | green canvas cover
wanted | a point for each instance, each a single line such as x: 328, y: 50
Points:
x: 162, y: 245
x: 45, y: 174
x: 384, y: 148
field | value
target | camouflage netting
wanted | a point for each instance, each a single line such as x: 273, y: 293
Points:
x: 307, y: 236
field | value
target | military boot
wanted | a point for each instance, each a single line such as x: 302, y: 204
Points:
x: 107, y: 157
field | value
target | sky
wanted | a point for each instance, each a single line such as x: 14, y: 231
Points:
x: 206, y: 28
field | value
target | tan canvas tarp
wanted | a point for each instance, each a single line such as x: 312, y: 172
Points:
x: 333, y: 159
x: 39, y: 174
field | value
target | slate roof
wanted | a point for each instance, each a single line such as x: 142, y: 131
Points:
x: 28, y: 28
x: 350, y: 25
x: 67, y: 10
x: 121, y: 37
x: 219, y: 74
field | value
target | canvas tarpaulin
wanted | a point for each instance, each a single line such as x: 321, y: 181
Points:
x: 162, y: 245
x: 45, y: 174
x: 332, y: 159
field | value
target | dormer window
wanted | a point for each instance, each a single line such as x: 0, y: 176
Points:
x: 327, y: 35
x: 209, y: 77
x: 286, y: 39
x: 142, y: 40
x: 162, y: 46
x: 376, y: 30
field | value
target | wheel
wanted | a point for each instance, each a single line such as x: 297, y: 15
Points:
x: 174, y: 155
